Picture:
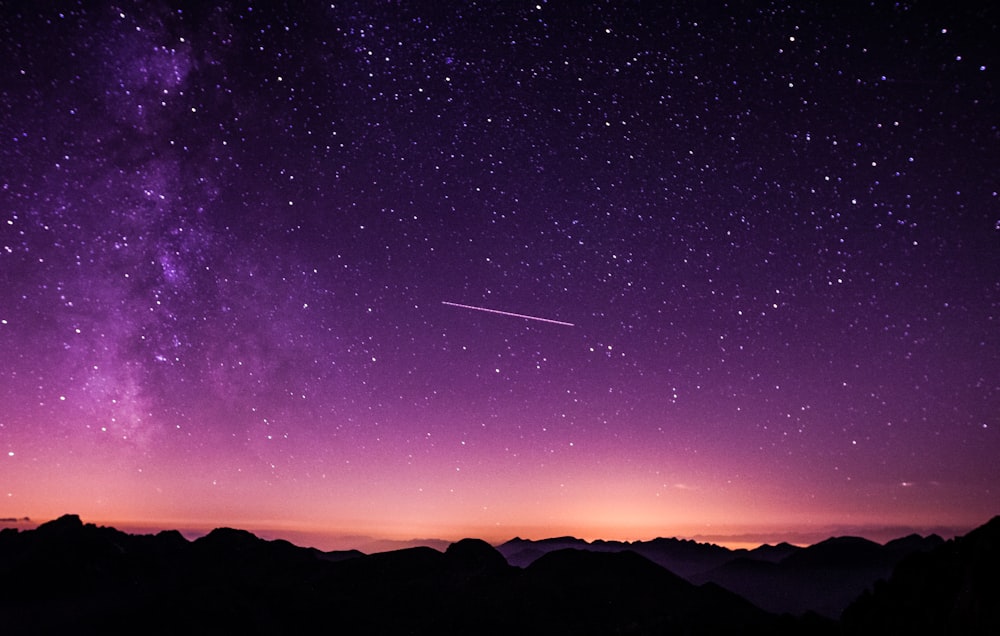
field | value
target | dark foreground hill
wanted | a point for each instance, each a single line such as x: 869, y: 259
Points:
x: 70, y: 577
x: 954, y: 589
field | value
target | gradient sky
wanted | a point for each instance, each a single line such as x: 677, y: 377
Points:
x: 227, y: 236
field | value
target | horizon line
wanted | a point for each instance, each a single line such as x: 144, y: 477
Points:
x: 313, y: 537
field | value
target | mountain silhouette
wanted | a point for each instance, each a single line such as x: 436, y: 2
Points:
x: 590, y: 592
x: 68, y: 576
x: 681, y: 556
x: 952, y: 589
x: 773, y: 553
x: 822, y: 578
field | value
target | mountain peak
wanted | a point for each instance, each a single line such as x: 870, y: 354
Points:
x: 65, y: 521
x: 65, y: 524
x: 230, y: 539
x: 475, y: 554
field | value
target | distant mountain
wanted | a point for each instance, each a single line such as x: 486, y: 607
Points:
x: 822, y: 578
x: 773, y: 553
x: 70, y: 577
x: 592, y: 592
x: 683, y: 557
x: 388, y: 545
x: 905, y: 546
x: 952, y: 589
x: 524, y: 552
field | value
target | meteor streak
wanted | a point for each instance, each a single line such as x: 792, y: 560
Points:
x: 509, y: 313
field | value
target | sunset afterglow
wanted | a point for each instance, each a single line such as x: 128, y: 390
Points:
x: 430, y: 270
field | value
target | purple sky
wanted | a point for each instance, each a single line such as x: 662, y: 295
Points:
x: 229, y: 238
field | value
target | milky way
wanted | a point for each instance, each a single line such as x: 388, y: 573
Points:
x: 229, y: 236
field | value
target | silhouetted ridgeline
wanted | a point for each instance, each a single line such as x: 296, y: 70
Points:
x: 954, y: 589
x: 823, y: 578
x: 66, y: 576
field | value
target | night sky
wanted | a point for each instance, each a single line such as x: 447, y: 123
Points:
x: 765, y: 240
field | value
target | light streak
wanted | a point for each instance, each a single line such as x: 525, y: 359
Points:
x: 509, y: 313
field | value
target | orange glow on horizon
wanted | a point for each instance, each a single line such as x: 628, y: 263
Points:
x: 341, y: 537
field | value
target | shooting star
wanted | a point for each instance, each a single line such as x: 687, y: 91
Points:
x: 509, y: 313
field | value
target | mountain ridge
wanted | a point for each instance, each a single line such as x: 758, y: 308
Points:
x: 67, y: 574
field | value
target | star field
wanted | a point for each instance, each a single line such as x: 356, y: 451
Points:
x: 229, y: 237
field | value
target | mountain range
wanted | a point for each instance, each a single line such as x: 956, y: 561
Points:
x: 783, y: 578
x: 69, y: 576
